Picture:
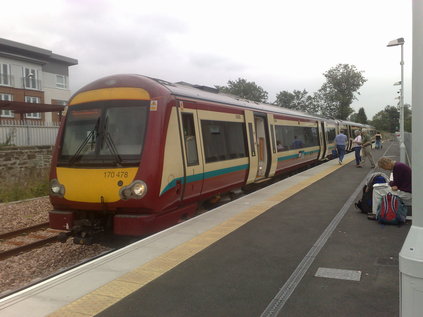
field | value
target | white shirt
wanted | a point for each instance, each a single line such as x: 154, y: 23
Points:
x: 357, y: 141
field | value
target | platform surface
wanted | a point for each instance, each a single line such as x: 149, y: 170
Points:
x: 296, y: 248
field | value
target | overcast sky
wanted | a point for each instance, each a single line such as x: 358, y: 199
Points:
x: 278, y: 44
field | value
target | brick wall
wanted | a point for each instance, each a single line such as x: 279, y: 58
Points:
x: 20, y: 162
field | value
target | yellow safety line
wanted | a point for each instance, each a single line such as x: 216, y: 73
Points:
x: 112, y: 292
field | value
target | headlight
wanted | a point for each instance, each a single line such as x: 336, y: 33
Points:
x: 56, y: 189
x: 136, y: 190
x: 139, y: 189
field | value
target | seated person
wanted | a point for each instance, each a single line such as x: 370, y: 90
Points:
x: 297, y: 143
x: 279, y: 146
x: 401, y: 183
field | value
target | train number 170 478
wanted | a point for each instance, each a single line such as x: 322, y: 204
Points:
x: 115, y: 174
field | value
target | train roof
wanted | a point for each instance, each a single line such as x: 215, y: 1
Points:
x: 183, y: 89
x: 198, y: 92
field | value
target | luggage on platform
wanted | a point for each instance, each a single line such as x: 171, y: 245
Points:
x: 365, y: 204
x: 391, y: 210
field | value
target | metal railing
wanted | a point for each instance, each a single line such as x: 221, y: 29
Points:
x: 27, y: 133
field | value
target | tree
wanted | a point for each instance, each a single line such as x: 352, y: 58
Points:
x: 353, y: 117
x: 285, y: 99
x: 245, y: 90
x: 387, y: 119
x: 297, y: 100
x: 361, y: 116
x: 337, y: 93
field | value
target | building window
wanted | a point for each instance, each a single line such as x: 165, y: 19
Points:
x: 35, y: 115
x: 60, y: 81
x: 30, y: 78
x: 6, y: 113
x: 5, y: 75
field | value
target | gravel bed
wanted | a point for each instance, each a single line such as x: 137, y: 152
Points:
x: 21, y: 270
x: 18, y: 215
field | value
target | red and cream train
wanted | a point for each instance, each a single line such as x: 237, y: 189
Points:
x: 138, y: 154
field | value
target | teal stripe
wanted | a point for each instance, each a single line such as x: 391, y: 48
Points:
x: 294, y: 156
x: 199, y: 177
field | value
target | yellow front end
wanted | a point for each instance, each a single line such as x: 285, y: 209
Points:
x: 94, y: 185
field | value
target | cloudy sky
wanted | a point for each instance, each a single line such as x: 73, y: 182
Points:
x: 278, y: 44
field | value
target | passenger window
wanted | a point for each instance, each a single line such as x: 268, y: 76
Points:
x: 331, y: 134
x: 189, y: 138
x: 223, y: 140
x: 292, y: 137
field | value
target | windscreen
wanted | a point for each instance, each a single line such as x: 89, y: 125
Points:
x: 109, y: 133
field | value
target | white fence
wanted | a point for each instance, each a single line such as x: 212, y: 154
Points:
x: 27, y: 133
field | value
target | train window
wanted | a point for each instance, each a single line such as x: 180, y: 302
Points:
x: 190, y: 140
x: 294, y: 137
x: 223, y: 140
x: 123, y: 130
x: 272, y: 132
x: 251, y: 133
x: 331, y: 134
x: 106, y: 133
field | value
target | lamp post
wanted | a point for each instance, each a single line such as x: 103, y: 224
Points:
x: 400, y: 41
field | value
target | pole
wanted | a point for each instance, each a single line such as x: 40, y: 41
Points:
x: 411, y: 255
x: 402, y: 145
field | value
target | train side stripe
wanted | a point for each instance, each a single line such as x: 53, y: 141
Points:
x: 206, y: 175
x: 297, y: 155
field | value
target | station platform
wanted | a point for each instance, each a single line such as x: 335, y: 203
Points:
x: 298, y: 247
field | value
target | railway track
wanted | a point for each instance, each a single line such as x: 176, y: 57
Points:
x: 26, y: 239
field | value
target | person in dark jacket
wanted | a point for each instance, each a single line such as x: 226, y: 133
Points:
x: 401, y: 182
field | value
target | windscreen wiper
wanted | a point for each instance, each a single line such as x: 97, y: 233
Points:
x: 93, y: 136
x: 112, y: 147
x: 111, y: 144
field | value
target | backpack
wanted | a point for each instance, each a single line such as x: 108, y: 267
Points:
x: 391, y: 210
x: 365, y: 204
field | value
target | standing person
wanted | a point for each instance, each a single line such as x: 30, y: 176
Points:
x: 340, y: 141
x: 356, y: 145
x: 378, y: 140
x: 366, y: 148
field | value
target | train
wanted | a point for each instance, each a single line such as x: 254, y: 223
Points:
x: 136, y: 154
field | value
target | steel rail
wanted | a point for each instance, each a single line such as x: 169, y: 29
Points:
x: 18, y: 232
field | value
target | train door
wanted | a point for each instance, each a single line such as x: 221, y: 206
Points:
x: 262, y: 149
x: 350, y: 135
x: 193, y: 157
x: 272, y: 148
x: 322, y: 139
x: 252, y: 146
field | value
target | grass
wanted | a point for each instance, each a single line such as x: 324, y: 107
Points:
x: 25, y: 189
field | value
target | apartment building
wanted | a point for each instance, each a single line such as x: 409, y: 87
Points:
x: 33, y: 75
